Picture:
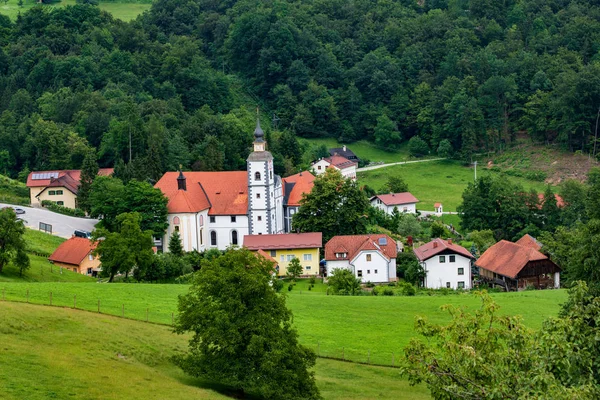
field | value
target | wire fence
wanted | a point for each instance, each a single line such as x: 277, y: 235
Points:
x: 141, y: 312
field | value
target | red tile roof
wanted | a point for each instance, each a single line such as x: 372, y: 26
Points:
x: 508, y: 258
x: 284, y: 241
x: 225, y: 193
x: 560, y: 203
x: 303, y: 183
x: 529, y: 242
x: 394, y: 199
x: 340, y: 162
x: 74, y: 174
x: 73, y: 251
x: 437, y: 205
x: 437, y: 246
x: 266, y: 256
x: 354, y: 244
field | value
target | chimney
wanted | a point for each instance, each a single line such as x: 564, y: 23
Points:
x: 344, y: 148
x: 435, y: 244
x: 181, y: 181
x: 450, y: 241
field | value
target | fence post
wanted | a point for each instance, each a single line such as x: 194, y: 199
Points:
x: 75, y: 301
x: 28, y: 295
x: 123, y: 310
x: 50, y: 298
x: 98, y: 305
x: 146, y: 315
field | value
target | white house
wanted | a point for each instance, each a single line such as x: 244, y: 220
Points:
x: 371, y: 258
x: 438, y: 208
x: 342, y: 164
x: 217, y: 209
x: 446, y: 264
x: 405, y: 202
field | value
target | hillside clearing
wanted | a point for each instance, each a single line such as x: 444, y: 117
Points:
x: 60, y: 353
x: 125, y: 11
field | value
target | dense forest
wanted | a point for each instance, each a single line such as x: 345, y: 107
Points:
x: 181, y: 82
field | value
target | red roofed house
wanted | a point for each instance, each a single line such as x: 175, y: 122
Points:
x: 345, y: 166
x: 284, y: 248
x: 60, y: 187
x: 293, y: 188
x: 76, y: 255
x: 217, y: 209
x: 371, y: 258
x: 446, y: 264
x: 515, y: 266
x: 404, y: 202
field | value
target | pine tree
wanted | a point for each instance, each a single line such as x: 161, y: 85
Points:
x: 89, y: 172
x: 175, y: 246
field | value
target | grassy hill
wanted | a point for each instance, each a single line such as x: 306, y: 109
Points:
x: 125, y: 10
x: 13, y: 192
x: 39, y: 246
x: 355, y: 328
x: 61, y: 353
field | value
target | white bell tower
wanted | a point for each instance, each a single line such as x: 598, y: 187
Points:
x: 262, y: 214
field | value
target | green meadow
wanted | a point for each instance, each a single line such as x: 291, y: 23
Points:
x: 56, y: 353
x: 365, y: 150
x: 437, y: 181
x: 371, y: 329
x: 125, y: 11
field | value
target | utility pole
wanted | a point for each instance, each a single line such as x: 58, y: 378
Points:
x: 475, y: 164
x: 596, y: 133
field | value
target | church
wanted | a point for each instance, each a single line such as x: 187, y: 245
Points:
x: 217, y: 209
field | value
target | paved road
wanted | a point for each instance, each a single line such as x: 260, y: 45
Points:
x: 62, y: 225
x: 396, y: 163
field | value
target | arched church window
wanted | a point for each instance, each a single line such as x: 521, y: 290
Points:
x: 234, y: 237
x: 176, y: 221
x: 213, y: 238
x: 201, y: 220
x: 257, y: 176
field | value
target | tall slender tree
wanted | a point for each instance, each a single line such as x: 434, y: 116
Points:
x: 89, y: 172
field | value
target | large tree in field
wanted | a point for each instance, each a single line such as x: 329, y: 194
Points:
x: 12, y: 244
x: 126, y: 250
x: 242, y: 331
x: 335, y: 206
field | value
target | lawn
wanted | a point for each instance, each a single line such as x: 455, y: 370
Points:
x: 62, y: 353
x: 365, y: 150
x: 125, y: 11
x: 363, y: 328
x: 436, y: 181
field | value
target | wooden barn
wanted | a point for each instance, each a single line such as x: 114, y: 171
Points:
x: 515, y: 266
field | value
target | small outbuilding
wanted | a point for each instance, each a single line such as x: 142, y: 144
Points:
x: 76, y: 255
x: 405, y: 202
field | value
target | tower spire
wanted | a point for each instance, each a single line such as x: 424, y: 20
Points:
x: 258, y: 132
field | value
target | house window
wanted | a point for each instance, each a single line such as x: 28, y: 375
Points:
x: 290, y: 257
x: 213, y: 238
x: 461, y: 271
x: 213, y: 219
x: 308, y: 257
x: 368, y: 271
x: 201, y: 220
x: 60, y: 203
x: 91, y: 257
x: 319, y: 167
x: 448, y: 285
x: 234, y: 237
x: 274, y: 253
x: 461, y: 285
x: 271, y: 174
x: 359, y: 273
x: 89, y: 271
x: 258, y: 195
x: 442, y: 259
x: 201, y: 236
x: 51, y: 192
x: 405, y: 209
x: 375, y: 271
x: 452, y: 258
x: 368, y: 257
x: 257, y: 176
x: 233, y: 219
x: 59, y: 192
x: 307, y: 267
x: 259, y: 218
x: 282, y: 257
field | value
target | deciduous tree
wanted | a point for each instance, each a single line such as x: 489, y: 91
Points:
x: 294, y: 268
x: 12, y: 243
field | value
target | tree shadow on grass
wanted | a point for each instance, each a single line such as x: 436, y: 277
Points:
x: 216, y: 387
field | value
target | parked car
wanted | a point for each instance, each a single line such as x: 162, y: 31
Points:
x: 19, y: 211
x: 83, y: 234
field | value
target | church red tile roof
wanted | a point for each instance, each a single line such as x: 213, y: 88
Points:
x: 73, y: 251
x: 354, y: 244
x: 303, y: 183
x: 70, y: 177
x: 508, y: 258
x: 340, y: 162
x: 225, y: 193
x: 437, y: 246
x: 284, y: 241
x: 394, y: 199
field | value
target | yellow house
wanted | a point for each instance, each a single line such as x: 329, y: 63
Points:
x: 285, y: 247
x: 60, y: 187
x: 76, y: 255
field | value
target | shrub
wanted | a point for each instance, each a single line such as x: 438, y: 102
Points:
x: 277, y: 285
x: 343, y: 282
x: 369, y: 284
x: 312, y: 280
x: 417, y: 147
x: 52, y: 206
x: 388, y: 291
x: 407, y: 289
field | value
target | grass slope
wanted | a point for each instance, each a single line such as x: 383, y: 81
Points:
x: 365, y: 150
x: 336, y: 326
x: 39, y: 246
x: 436, y: 181
x: 61, y: 353
x: 121, y: 10
x: 12, y: 191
